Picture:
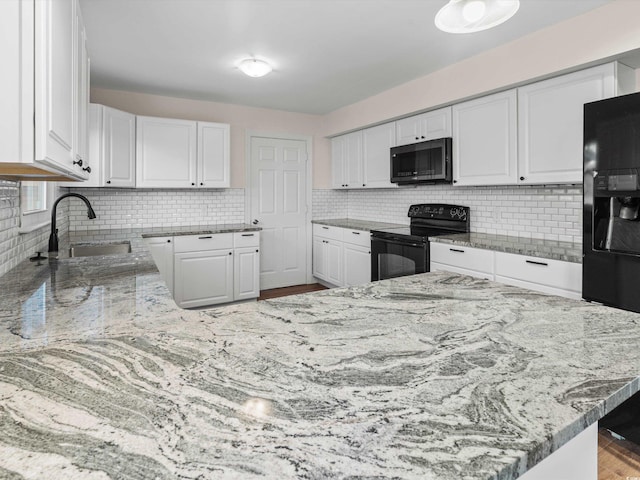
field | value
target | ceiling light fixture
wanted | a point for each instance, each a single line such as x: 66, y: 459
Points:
x: 254, y: 67
x: 466, y: 16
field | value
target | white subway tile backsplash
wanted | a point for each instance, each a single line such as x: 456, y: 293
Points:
x: 131, y: 208
x: 551, y: 212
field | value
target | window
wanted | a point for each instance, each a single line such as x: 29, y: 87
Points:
x: 36, y: 199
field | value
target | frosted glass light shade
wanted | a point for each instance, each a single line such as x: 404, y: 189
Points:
x: 254, y: 67
x: 466, y: 16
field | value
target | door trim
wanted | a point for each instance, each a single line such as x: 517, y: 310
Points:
x: 308, y: 139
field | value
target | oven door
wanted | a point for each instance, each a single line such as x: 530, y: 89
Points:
x: 393, y: 257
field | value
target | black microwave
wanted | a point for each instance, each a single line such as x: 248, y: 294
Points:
x: 424, y: 162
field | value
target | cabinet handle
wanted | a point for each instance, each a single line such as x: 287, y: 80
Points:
x: 542, y: 264
x: 521, y: 178
x: 326, y: 228
x: 108, y: 181
x: 356, y: 233
x: 79, y: 163
x: 204, y: 238
x: 247, y: 234
x: 87, y: 169
x: 457, y: 250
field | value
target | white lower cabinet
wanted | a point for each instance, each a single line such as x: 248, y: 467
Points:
x: 543, y: 275
x: 203, y: 278
x: 554, y: 277
x: 203, y: 270
x: 161, y: 249
x: 341, y: 256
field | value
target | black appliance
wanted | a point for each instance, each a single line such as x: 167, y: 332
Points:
x: 611, y: 239
x: 424, y: 162
x: 397, y: 252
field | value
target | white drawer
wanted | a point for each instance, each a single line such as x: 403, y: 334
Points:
x: 463, y: 257
x: 357, y: 237
x: 246, y: 239
x: 334, y: 233
x: 195, y: 243
x: 438, y: 267
x: 554, y: 273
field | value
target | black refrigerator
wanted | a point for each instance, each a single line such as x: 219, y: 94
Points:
x: 611, y: 239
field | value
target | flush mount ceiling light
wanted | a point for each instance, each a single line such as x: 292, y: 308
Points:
x: 466, y: 16
x: 254, y: 67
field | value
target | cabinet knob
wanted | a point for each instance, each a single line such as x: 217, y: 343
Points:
x: 256, y: 250
x: 201, y: 184
x: 363, y: 185
x: 422, y: 136
x: 79, y: 163
x: 108, y: 181
x: 192, y: 183
x: 521, y: 178
x: 455, y: 181
x: 417, y: 138
x: 168, y: 241
x: 87, y: 169
x: 230, y: 253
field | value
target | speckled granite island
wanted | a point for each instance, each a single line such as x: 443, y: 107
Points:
x: 434, y: 376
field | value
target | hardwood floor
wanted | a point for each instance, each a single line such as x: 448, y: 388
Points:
x: 283, y: 292
x: 617, y: 459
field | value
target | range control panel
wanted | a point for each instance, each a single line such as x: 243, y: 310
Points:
x: 439, y: 211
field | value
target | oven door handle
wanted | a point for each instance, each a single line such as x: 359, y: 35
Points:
x: 399, y: 242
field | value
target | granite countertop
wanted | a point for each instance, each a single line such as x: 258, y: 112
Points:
x: 432, y: 376
x: 352, y: 223
x: 550, y: 249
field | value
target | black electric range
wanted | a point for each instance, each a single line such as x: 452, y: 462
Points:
x: 397, y: 252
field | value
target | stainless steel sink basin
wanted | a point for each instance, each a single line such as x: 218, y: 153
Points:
x: 99, y: 249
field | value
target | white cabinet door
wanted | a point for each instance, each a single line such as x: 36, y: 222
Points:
x: 203, y: 278
x: 357, y: 264
x: 81, y: 97
x: 550, y: 123
x: 118, y: 144
x: 423, y: 127
x: 346, y: 160
x: 485, y: 140
x: 333, y: 250
x: 246, y: 273
x: 213, y: 169
x: 319, y: 261
x: 376, y: 145
x: 161, y: 249
x: 165, y: 152
x: 55, y: 84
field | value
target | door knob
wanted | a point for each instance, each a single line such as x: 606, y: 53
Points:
x: 255, y: 221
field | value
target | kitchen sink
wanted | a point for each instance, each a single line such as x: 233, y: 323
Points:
x: 99, y: 249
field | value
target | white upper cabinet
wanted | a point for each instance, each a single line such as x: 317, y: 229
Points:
x: 175, y: 153
x: 376, y: 144
x: 346, y: 160
x: 361, y: 159
x: 165, y: 152
x: 117, y: 147
x: 81, y: 97
x: 550, y: 122
x: 213, y: 155
x: 38, y: 87
x: 485, y: 140
x: 423, y: 127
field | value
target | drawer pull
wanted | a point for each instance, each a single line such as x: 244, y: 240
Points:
x: 537, y: 263
x: 326, y: 228
x: 457, y: 250
x: 356, y: 233
x: 205, y: 238
x: 247, y: 234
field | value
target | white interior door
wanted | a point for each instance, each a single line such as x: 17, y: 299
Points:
x: 278, y: 202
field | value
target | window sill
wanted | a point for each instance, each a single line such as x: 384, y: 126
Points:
x: 32, y: 228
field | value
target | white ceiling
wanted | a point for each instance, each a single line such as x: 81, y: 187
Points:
x: 326, y: 53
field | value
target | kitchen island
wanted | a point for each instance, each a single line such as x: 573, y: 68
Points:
x: 433, y: 376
